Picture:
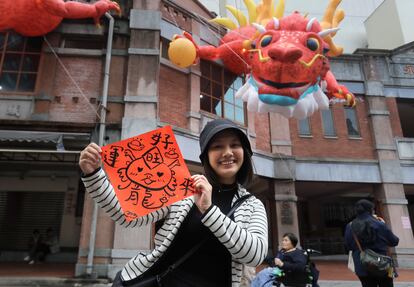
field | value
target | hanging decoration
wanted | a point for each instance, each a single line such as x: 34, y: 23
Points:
x: 39, y: 17
x: 285, y: 58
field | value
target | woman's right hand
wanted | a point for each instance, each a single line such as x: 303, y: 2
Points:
x: 90, y: 158
x: 278, y: 262
x: 378, y: 218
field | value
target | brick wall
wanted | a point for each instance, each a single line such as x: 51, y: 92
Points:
x: 394, y: 117
x: 261, y: 125
x: 173, y: 97
x: 340, y: 147
x: 68, y: 104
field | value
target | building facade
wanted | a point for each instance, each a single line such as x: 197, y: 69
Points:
x: 309, y: 173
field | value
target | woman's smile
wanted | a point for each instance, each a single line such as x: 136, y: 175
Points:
x: 225, y: 155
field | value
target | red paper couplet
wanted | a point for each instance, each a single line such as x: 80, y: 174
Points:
x: 147, y: 172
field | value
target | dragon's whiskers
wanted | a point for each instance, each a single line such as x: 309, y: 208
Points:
x: 261, y: 58
x: 311, y: 62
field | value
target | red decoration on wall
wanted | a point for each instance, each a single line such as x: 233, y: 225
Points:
x: 39, y: 17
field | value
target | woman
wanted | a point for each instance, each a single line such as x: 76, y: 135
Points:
x: 288, y: 267
x: 372, y: 233
x: 292, y: 261
x: 232, y: 242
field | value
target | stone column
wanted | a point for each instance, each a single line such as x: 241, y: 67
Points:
x: 280, y: 134
x: 284, y: 192
x: 391, y: 192
x: 285, y: 211
x: 141, y: 111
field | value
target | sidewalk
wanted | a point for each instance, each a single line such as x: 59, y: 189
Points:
x: 357, y: 284
x: 338, y: 271
x: 332, y: 274
x: 17, y: 269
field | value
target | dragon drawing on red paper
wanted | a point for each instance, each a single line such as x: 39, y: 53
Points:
x: 39, y: 17
x: 285, y: 58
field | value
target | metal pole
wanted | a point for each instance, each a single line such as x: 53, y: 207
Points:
x: 89, y: 266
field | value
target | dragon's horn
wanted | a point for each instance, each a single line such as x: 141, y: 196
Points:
x: 251, y: 8
x: 326, y: 32
x: 259, y: 27
x: 280, y: 9
x: 238, y: 15
x: 276, y: 23
x: 226, y: 22
x: 310, y: 23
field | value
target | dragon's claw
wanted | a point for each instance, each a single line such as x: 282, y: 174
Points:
x: 350, y: 100
x: 103, y: 6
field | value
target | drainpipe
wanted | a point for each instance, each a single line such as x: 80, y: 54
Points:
x: 89, y: 266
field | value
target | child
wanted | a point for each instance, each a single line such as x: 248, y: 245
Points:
x: 232, y: 242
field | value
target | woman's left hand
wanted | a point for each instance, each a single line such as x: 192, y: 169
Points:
x: 278, y: 262
x: 202, y: 196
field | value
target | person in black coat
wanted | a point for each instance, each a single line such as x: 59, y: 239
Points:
x: 372, y: 233
x: 292, y: 261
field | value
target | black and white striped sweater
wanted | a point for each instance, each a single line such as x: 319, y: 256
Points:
x: 245, y: 238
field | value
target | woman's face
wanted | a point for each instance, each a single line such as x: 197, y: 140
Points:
x: 225, y: 155
x: 286, y: 243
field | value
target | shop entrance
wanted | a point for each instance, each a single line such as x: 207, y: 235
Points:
x: 324, y: 210
x: 22, y: 212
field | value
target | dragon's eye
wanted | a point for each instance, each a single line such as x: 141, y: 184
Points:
x: 312, y: 44
x: 266, y: 40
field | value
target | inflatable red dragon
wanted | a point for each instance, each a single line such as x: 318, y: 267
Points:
x: 39, y: 17
x: 284, y: 58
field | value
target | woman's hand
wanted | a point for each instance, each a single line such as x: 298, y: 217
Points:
x: 378, y: 218
x: 202, y: 196
x: 278, y: 262
x: 90, y: 158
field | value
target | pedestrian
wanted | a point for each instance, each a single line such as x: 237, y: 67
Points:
x: 52, y: 241
x: 292, y: 261
x: 36, y: 248
x: 287, y: 267
x: 230, y: 241
x: 372, y: 233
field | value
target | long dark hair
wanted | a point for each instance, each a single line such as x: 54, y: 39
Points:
x: 245, y: 174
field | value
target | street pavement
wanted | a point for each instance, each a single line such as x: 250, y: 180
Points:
x: 324, y: 283
x: 60, y: 282
x: 332, y: 274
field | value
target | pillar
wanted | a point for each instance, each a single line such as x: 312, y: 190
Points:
x: 390, y: 193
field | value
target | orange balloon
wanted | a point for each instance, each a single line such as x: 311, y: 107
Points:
x: 182, y: 52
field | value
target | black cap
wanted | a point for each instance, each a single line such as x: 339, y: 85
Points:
x: 214, y: 127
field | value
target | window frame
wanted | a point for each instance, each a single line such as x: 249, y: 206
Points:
x: 222, y: 100
x: 358, y: 127
x: 20, y: 71
x: 164, y: 44
x: 335, y: 134
x: 309, y: 125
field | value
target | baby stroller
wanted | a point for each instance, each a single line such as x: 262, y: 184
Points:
x: 308, y: 278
